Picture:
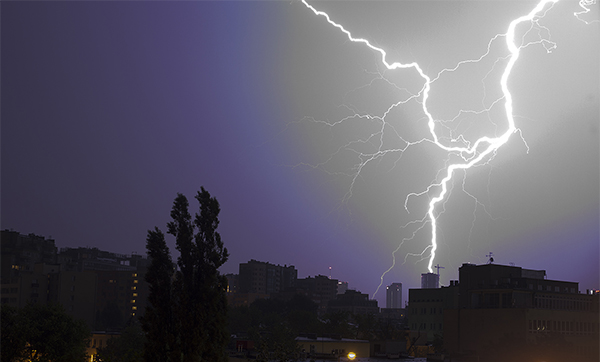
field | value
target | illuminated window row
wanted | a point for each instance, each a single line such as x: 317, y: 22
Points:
x: 575, y: 327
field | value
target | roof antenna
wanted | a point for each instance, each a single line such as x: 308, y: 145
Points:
x: 438, y: 267
x: 491, y: 257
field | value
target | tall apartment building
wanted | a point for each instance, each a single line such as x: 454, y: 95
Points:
x: 265, y: 278
x: 320, y: 289
x: 91, y: 284
x: 20, y: 253
x: 393, y: 296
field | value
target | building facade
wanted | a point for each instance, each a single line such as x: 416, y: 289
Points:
x: 507, y: 308
x: 426, y: 309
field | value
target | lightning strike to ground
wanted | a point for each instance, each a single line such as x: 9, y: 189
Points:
x: 471, y: 154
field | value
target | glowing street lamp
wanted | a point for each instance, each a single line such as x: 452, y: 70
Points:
x: 351, y: 356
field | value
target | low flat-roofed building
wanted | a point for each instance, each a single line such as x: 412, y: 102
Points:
x: 322, y: 347
x: 353, y: 302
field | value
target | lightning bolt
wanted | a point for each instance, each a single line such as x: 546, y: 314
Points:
x: 585, y: 6
x: 470, y: 154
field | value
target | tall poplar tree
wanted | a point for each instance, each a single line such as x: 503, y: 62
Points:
x: 197, y: 305
x: 158, y: 321
x: 211, y: 289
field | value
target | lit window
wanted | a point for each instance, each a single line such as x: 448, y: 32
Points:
x: 133, y: 288
x: 133, y: 301
x: 135, y: 294
x: 134, y: 308
x: 134, y: 275
x: 135, y: 281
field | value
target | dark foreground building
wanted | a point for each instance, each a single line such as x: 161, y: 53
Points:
x: 508, y: 313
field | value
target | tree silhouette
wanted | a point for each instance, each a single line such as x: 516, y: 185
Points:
x: 42, y: 333
x: 192, y: 309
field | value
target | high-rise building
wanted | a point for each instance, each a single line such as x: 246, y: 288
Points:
x: 320, y: 289
x: 91, y: 284
x: 20, y: 253
x: 266, y: 278
x: 430, y: 280
x: 393, y: 296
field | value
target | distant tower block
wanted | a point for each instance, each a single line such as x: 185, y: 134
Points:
x: 393, y: 296
x: 430, y: 280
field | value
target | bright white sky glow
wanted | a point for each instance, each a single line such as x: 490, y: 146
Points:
x: 469, y: 153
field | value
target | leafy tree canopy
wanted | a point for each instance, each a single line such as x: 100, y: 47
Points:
x: 43, y: 333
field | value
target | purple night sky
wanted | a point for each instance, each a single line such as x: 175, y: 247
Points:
x: 111, y: 108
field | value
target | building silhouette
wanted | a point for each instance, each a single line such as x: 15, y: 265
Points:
x: 500, y: 312
x: 353, y: 302
x: 393, y: 296
x: 320, y: 289
x: 101, y: 288
x: 426, y: 311
x: 266, y: 278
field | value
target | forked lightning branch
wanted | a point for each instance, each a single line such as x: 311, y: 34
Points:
x: 468, y: 153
